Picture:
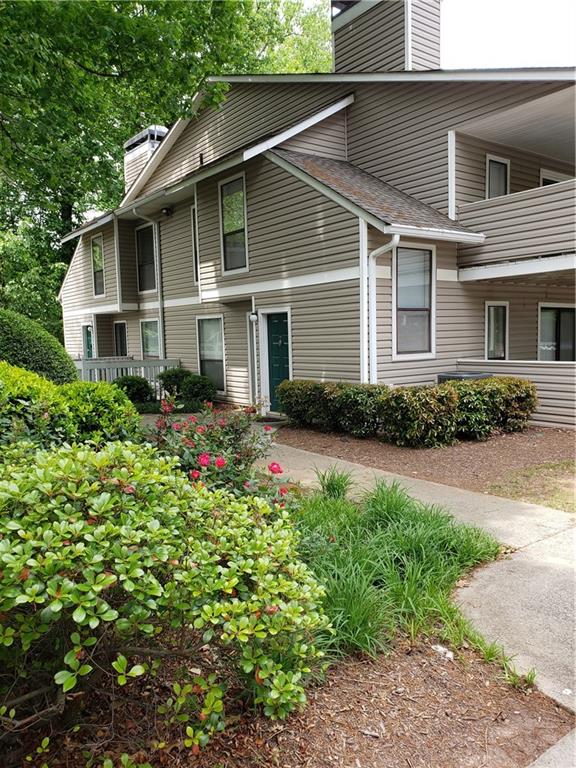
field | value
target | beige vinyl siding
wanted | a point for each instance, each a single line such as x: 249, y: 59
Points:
x: 425, y: 34
x: 249, y: 112
x: 460, y: 322
x: 181, y: 342
x: 78, y: 287
x: 292, y: 229
x: 524, y: 167
x: 73, y: 340
x: 400, y: 132
x: 177, y: 253
x: 325, y: 325
x: 538, y: 222
x: 134, y: 162
x: 326, y: 139
x: 373, y: 41
x: 128, y: 270
x: 555, y: 384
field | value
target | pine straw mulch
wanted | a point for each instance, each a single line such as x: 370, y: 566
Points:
x: 413, y: 707
x: 477, y: 466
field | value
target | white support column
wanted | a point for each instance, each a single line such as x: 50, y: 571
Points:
x: 364, y: 358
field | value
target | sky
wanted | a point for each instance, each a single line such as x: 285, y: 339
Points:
x: 508, y: 33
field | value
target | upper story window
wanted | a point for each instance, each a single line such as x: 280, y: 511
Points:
x: 414, y: 301
x: 233, y: 224
x: 548, y: 177
x: 497, y: 176
x: 145, y: 258
x: 97, y: 248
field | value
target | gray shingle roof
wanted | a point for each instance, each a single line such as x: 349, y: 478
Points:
x: 374, y: 196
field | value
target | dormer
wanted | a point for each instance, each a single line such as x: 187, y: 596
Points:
x: 385, y: 35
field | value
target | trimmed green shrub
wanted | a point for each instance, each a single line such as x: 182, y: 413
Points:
x: 101, y: 411
x: 420, y: 416
x: 173, y: 380
x: 517, y: 402
x: 358, y: 408
x: 196, y: 388
x: 33, y: 408
x: 26, y: 344
x: 309, y: 403
x: 111, y: 554
x: 137, y: 388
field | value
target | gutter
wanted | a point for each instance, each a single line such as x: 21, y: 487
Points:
x: 156, y: 229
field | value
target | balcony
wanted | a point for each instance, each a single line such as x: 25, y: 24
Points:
x: 111, y: 368
x: 536, y: 222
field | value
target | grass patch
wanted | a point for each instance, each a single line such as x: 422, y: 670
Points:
x: 550, y: 484
x: 389, y: 564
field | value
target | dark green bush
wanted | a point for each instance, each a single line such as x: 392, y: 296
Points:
x: 32, y: 408
x: 309, y: 403
x: 196, y: 388
x: 358, y: 408
x: 517, y: 402
x: 100, y: 411
x: 25, y: 343
x: 420, y: 417
x: 136, y: 388
x: 173, y: 380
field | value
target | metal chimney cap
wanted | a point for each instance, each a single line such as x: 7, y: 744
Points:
x: 152, y: 133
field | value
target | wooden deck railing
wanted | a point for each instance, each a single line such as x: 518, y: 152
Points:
x: 555, y: 383
x: 111, y: 368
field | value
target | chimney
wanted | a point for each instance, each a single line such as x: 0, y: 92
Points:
x: 385, y: 35
x: 139, y: 149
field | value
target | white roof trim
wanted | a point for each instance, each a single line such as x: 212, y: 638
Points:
x: 166, y: 144
x: 89, y: 227
x: 257, y: 149
x: 537, y: 266
x: 535, y: 74
x: 391, y: 229
x: 341, y: 19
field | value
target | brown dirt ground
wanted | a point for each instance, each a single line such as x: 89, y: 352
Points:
x: 474, y: 465
x: 413, y: 707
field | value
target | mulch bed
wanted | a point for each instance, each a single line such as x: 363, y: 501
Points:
x: 413, y: 707
x: 473, y: 465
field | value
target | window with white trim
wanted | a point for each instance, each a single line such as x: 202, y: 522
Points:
x: 150, y: 339
x: 413, y: 300
x: 97, y: 248
x: 233, y: 224
x: 497, y: 330
x: 88, y: 342
x: 145, y: 258
x: 195, y: 254
x: 548, y: 177
x: 211, y: 350
x: 497, y: 176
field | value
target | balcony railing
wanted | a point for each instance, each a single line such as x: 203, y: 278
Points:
x: 537, y: 222
x: 555, y: 383
x: 111, y: 368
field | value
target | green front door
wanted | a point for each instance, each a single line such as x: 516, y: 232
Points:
x: 278, y: 354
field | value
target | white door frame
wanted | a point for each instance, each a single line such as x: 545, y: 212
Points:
x: 263, y: 356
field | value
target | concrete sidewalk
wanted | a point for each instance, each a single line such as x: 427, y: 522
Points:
x: 524, y: 602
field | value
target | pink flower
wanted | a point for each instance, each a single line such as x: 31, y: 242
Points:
x: 129, y: 489
x: 275, y: 468
x: 220, y: 462
x: 177, y: 426
x: 166, y: 407
x: 201, y: 429
x: 46, y: 415
x: 282, y: 491
x: 267, y: 428
x: 209, y: 405
x: 247, y: 484
x: 192, y: 419
x: 194, y: 474
x: 160, y: 423
x: 204, y: 460
x: 222, y: 422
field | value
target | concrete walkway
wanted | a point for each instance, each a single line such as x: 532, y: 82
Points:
x: 524, y: 602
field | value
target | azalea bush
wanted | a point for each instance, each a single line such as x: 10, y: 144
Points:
x: 112, y: 562
x: 214, y: 446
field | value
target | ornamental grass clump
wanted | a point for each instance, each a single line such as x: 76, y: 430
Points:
x: 112, y: 563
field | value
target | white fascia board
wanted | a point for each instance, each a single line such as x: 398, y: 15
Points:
x: 342, y: 19
x: 430, y: 233
x: 97, y: 309
x: 537, y: 266
x: 536, y: 74
x: 90, y: 227
x: 165, y: 145
x: 258, y: 149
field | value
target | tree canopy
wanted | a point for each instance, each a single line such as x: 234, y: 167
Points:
x: 79, y: 77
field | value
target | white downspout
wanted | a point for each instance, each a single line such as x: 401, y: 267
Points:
x: 364, y: 361
x: 372, y: 304
x: 156, y: 230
